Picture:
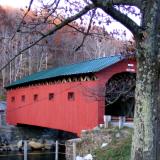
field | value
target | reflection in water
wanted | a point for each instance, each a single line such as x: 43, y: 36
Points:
x: 31, y: 156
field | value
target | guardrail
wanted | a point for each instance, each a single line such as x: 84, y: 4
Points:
x: 56, y: 152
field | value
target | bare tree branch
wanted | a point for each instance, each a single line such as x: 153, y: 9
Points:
x: 53, y: 10
x: 119, y: 16
x: 70, y: 19
x: 85, y: 35
x: 136, y: 3
x: 52, y: 31
x: 90, y: 33
x: 119, y: 95
x: 29, y: 8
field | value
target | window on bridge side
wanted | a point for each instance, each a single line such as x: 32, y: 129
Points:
x: 51, y: 96
x: 71, y: 96
x: 12, y: 99
x: 35, y: 97
x: 23, y: 98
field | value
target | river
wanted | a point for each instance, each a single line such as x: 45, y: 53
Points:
x: 46, y: 155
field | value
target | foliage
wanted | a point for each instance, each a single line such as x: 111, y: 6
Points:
x: 118, y: 149
x: 2, y: 97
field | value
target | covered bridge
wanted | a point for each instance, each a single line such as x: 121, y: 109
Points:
x: 74, y: 97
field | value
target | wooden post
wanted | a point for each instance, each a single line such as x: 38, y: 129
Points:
x: 121, y: 122
x: 74, y: 150
x: 25, y: 150
x: 107, y: 120
x: 124, y: 120
x: 56, y: 154
x: 0, y: 120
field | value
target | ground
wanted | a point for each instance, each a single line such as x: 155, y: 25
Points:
x: 104, y: 144
x: 118, y: 149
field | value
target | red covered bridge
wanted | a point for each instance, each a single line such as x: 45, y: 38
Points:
x: 69, y: 98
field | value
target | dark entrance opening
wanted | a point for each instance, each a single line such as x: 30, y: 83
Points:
x: 120, y: 95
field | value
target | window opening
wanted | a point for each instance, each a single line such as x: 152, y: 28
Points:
x: 23, y: 98
x: 12, y: 99
x: 35, y: 97
x: 51, y: 96
x: 71, y: 96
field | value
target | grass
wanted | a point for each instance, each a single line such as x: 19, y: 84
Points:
x: 118, y: 149
x: 2, y: 97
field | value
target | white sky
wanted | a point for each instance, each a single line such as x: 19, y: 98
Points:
x: 15, y: 3
x: 114, y: 25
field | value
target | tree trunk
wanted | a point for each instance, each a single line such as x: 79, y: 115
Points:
x: 145, y: 145
x: 146, y: 138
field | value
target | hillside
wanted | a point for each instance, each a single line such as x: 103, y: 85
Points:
x: 56, y: 50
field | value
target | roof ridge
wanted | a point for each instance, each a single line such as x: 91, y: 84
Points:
x: 89, y: 60
x: 79, y: 62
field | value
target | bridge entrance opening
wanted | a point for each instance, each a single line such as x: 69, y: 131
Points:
x: 120, y: 96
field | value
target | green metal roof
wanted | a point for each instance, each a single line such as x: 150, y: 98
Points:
x: 90, y: 66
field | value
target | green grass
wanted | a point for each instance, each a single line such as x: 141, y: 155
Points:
x: 2, y: 97
x: 119, y: 149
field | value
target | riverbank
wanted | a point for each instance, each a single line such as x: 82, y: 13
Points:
x: 101, y: 143
x: 11, y: 138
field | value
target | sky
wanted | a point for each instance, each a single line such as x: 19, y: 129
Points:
x: 114, y: 25
x: 15, y: 3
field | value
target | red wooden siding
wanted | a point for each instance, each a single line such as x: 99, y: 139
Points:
x: 60, y: 112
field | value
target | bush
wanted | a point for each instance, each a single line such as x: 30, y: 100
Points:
x: 118, y: 149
